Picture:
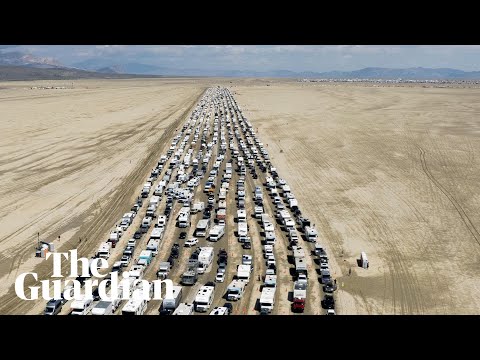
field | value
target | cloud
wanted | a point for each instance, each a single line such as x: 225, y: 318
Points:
x: 3, y: 47
x: 266, y: 57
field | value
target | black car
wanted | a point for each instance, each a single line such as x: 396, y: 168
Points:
x: 229, y: 306
x: 255, y: 176
x: 207, y: 214
x: 138, y: 235
x: 210, y: 283
x: 183, y: 235
x: 272, y: 266
x: 328, y: 302
x: 81, y: 280
x: 330, y: 287
x: 247, y: 245
x: 96, y: 295
x: 171, y: 260
x: 140, y: 201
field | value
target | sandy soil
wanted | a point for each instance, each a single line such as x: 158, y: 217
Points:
x: 390, y: 170
x: 393, y: 171
x: 72, y: 160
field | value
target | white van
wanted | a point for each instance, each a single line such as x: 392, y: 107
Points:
x: 135, y: 307
x: 204, y: 298
x: 81, y: 306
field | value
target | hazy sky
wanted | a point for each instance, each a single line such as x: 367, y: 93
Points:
x: 268, y: 57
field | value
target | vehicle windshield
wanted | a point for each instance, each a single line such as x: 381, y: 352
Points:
x: 49, y: 309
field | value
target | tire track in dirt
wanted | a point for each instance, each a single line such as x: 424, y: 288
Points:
x: 463, y: 215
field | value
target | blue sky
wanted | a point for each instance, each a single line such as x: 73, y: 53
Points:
x: 268, y: 57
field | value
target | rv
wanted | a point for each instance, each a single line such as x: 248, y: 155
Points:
x: 220, y: 310
x: 270, y: 281
x: 198, y: 207
x: 184, y: 309
x: 223, y: 194
x: 293, y: 203
x: 103, y: 308
x: 299, y: 295
x: 222, y: 204
x: 163, y: 270
x: 270, y: 238
x: 170, y: 304
x: 221, y: 215
x: 266, y: 220
x: 202, y: 227
x: 242, y: 229
x: 135, y: 307
x: 128, y: 284
x: 146, y: 222
x: 217, y: 232
x: 158, y: 190
x: 136, y: 272
x: 162, y: 221
x: 184, y: 217
x: 242, y: 215
x: 236, y: 290
x: 258, y: 212
x: 243, y: 272
x: 267, y: 300
x: 205, y: 258
x: 104, y: 250
x: 289, y: 225
x: 267, y: 251
x: 204, y: 298
x: 81, y: 306
x: 153, y: 245
x: 157, y: 233
x: 154, y: 200
x: 190, y: 276
x: 311, y: 233
x: 146, y: 255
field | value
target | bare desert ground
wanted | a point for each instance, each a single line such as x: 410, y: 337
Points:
x: 393, y: 171
x: 72, y: 161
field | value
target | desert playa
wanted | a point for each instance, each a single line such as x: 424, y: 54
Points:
x: 392, y: 171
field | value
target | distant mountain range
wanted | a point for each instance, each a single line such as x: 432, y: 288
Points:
x: 28, y: 73
x: 16, y: 58
x: 419, y: 73
x: 101, y: 67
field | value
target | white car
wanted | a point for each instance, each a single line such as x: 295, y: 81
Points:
x: 247, y: 259
x: 220, y: 277
x: 324, y: 266
x: 191, y: 242
x: 269, y: 227
x: 271, y: 260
